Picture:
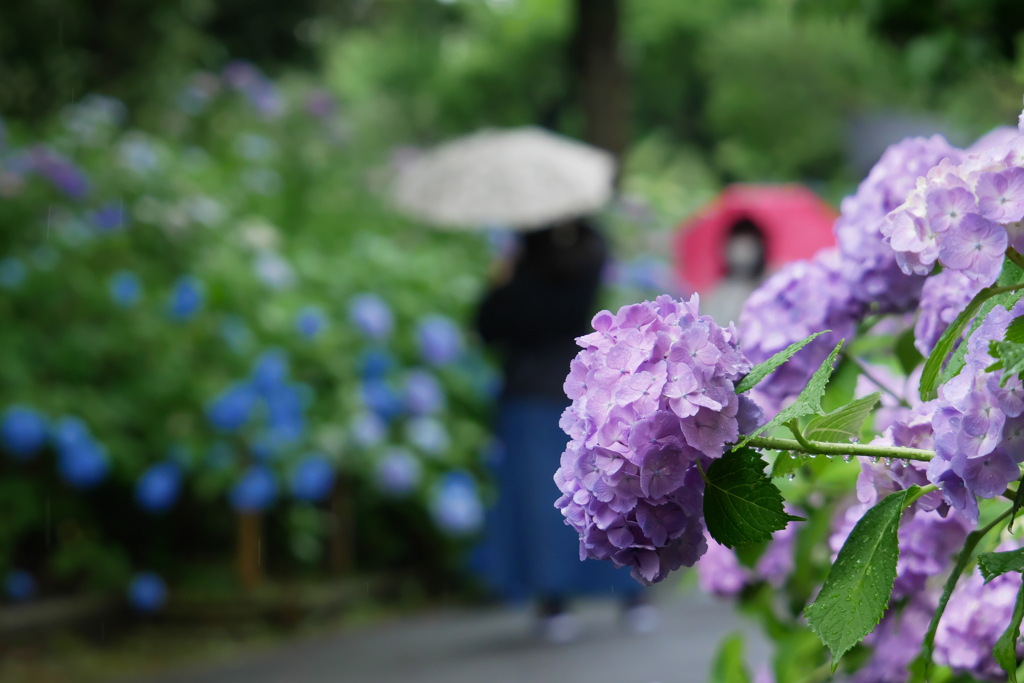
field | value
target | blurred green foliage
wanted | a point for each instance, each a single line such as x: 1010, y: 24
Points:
x: 273, y: 211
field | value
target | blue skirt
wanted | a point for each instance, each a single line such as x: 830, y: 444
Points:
x: 528, y: 550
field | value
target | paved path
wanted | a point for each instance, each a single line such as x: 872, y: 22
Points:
x: 493, y: 646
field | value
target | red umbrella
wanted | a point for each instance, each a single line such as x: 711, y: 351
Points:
x: 796, y: 223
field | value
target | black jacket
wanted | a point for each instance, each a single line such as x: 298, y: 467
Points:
x: 534, y: 318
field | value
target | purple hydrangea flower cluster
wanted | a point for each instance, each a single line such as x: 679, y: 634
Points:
x: 964, y: 215
x: 896, y: 641
x: 652, y: 394
x: 975, y: 617
x: 943, y: 297
x: 803, y: 298
x: 62, y: 173
x: 720, y: 572
x: 247, y: 79
x: 867, y: 261
x: 838, y: 287
x: 978, y: 424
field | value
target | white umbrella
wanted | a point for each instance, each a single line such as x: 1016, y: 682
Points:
x: 520, y: 178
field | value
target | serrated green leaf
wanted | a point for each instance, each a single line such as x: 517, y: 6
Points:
x: 762, y: 370
x: 741, y: 504
x: 809, y: 400
x: 728, y: 666
x: 843, y: 424
x: 858, y: 586
x: 997, y: 564
x: 1005, y: 650
x: 1015, y: 330
x: 785, y: 464
x: 933, y: 364
x: 1009, y: 358
x: 1010, y: 275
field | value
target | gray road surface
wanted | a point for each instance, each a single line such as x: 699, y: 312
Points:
x: 494, y: 646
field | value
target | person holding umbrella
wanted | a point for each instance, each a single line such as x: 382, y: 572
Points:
x: 544, y: 186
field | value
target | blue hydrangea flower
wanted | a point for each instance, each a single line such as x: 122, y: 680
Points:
x: 455, y: 505
x: 371, y: 315
x: 313, y: 479
x: 125, y: 288
x: 440, y: 340
x: 270, y: 370
x: 147, y: 592
x: 12, y: 272
x: 186, y: 297
x: 68, y: 432
x: 232, y: 408
x: 19, y: 585
x: 109, y: 217
x: 23, y: 431
x: 379, y: 397
x: 374, y: 363
x: 84, y: 464
x: 159, y: 486
x: 428, y: 435
x: 255, y: 491
x: 310, y: 322
x: 285, y: 415
x: 398, y: 472
x: 423, y: 394
x: 368, y: 429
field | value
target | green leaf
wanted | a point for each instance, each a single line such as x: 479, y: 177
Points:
x: 1015, y: 330
x: 786, y: 464
x: 1005, y: 650
x: 933, y: 364
x: 843, y: 424
x: 1009, y: 358
x: 1018, y: 501
x: 858, y: 586
x: 728, y: 666
x: 741, y: 504
x: 762, y: 370
x: 997, y: 564
x: 809, y: 400
x: 1011, y: 275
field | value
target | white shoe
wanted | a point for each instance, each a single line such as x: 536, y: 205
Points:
x: 559, y: 628
x: 641, y: 619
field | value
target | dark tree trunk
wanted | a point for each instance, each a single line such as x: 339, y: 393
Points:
x: 250, y: 549
x: 342, y: 529
x: 602, y: 78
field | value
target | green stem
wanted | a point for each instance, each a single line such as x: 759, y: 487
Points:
x: 919, y: 493
x: 961, y: 563
x: 996, y: 291
x: 828, y: 448
x: 794, y: 426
